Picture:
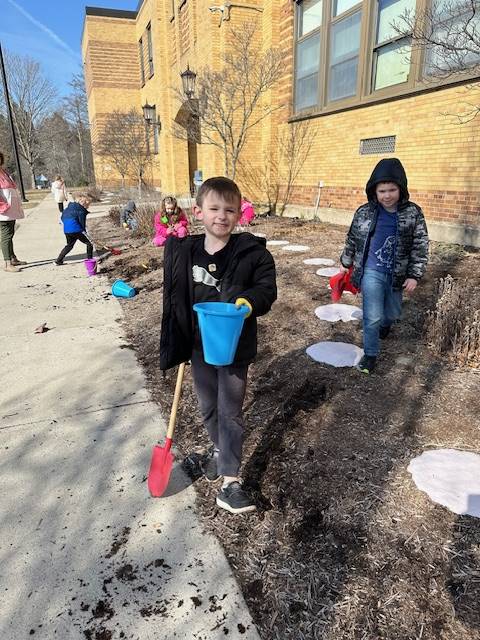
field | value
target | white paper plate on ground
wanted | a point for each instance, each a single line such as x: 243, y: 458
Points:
x: 327, y: 262
x: 328, y: 272
x: 338, y: 354
x: 277, y: 243
x: 296, y: 247
x: 450, y: 478
x: 337, y: 311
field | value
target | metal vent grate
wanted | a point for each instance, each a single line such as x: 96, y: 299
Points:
x: 377, y: 145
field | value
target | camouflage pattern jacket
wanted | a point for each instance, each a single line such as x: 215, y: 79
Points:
x: 411, y: 243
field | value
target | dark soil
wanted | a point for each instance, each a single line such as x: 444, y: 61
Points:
x: 343, y: 546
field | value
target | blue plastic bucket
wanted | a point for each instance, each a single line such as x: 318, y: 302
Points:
x: 121, y: 289
x: 221, y: 324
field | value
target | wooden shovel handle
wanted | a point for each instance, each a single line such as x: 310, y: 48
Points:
x: 176, y: 400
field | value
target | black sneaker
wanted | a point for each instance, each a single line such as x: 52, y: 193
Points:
x: 59, y: 264
x: 233, y: 498
x: 384, y: 331
x: 209, y: 465
x: 367, y: 364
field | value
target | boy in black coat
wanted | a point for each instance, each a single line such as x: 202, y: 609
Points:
x: 217, y: 266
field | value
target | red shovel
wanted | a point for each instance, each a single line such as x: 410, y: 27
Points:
x: 162, y: 458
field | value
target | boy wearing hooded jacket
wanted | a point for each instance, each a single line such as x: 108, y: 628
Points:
x: 217, y: 266
x: 74, y: 220
x: 387, y: 245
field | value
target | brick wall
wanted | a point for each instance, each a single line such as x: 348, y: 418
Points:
x: 439, y: 154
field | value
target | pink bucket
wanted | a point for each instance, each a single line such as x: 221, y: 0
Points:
x: 91, y: 266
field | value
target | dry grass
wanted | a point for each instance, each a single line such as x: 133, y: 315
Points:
x: 144, y: 216
x: 453, y: 326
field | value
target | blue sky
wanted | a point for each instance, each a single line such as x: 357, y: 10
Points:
x: 50, y: 31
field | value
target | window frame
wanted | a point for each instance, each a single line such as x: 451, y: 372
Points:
x: 417, y: 82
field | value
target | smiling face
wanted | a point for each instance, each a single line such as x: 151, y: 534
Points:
x: 388, y: 195
x: 219, y: 216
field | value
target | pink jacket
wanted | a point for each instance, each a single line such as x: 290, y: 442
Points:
x: 165, y: 229
x: 248, y: 213
x: 10, y: 203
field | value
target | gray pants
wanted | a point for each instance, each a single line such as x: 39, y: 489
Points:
x: 220, y: 393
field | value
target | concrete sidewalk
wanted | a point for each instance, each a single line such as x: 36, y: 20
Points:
x: 84, y: 551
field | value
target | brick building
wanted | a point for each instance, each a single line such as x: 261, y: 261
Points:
x: 365, y: 93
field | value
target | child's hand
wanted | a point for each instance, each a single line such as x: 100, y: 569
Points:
x: 169, y: 231
x: 410, y: 285
x: 343, y: 269
x: 243, y: 302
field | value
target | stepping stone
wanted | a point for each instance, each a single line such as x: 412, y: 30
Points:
x: 260, y: 235
x: 338, y: 311
x: 338, y: 354
x: 320, y: 261
x: 277, y: 243
x: 449, y: 477
x: 296, y: 247
x: 327, y: 272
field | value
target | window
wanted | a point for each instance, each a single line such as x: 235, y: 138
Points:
x: 310, y: 16
x: 307, y: 72
x: 156, y: 130
x: 142, y: 63
x: 344, y: 47
x: 308, y: 54
x: 150, y: 50
x: 391, y: 53
x: 352, y: 52
x: 340, y: 6
x: 456, y: 23
x: 152, y: 133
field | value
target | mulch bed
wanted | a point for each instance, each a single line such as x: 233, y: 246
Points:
x: 343, y: 546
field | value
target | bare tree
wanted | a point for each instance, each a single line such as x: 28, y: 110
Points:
x: 124, y: 141
x: 233, y: 100
x: 58, y: 148
x: 76, y: 113
x: 448, y: 32
x: 275, y: 179
x: 32, y: 96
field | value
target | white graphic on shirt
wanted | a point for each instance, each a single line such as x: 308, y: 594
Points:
x: 202, y: 276
x: 386, y: 253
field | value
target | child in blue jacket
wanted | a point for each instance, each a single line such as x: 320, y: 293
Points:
x: 74, y: 220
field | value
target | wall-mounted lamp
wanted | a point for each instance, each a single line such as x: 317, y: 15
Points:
x: 150, y: 115
x: 189, y: 78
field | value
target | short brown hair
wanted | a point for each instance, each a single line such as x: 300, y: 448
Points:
x: 223, y: 187
x: 83, y: 196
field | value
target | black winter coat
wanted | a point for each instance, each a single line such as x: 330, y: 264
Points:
x: 249, y: 274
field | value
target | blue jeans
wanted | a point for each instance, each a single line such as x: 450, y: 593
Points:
x: 381, y: 306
